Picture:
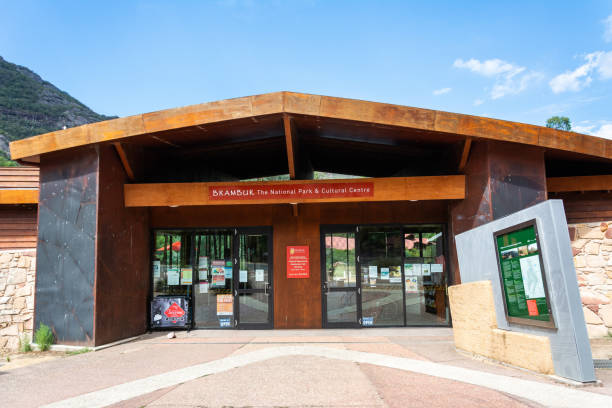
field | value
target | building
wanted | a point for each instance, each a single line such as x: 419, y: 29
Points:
x: 169, y: 202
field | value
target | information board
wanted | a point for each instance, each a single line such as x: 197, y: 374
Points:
x: 522, y: 275
x: 298, y: 262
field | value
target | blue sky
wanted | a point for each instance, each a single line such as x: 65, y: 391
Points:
x: 523, y: 61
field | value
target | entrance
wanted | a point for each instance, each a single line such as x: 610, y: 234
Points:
x: 383, y: 275
x: 225, y: 273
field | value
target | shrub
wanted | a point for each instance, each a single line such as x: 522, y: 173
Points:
x: 43, y: 337
x: 24, y: 344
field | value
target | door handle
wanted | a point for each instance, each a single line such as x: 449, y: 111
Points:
x: 236, y: 293
x: 266, y: 285
x: 359, y: 290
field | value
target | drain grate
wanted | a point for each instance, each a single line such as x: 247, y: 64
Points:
x: 602, y: 363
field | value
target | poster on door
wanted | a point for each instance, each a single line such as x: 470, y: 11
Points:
x: 225, y: 305
x: 298, y: 262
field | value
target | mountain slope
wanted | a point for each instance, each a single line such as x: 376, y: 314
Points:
x: 31, y: 106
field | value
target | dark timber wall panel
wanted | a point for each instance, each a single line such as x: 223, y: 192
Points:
x: 66, y: 245
x: 502, y: 178
x: 297, y: 302
x: 122, y: 280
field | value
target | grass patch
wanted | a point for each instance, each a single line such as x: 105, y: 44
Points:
x: 80, y: 351
x: 24, y: 344
x: 44, y: 337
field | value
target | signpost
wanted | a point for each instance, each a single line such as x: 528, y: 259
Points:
x: 522, y: 276
x: 298, y: 262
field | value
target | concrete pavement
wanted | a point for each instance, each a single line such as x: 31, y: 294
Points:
x: 335, y: 368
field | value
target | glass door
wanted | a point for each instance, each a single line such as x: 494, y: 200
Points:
x: 380, y: 262
x: 341, y: 291
x: 253, y: 278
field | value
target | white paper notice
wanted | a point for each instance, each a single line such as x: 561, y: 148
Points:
x: 426, y: 269
x: 243, y: 276
x: 173, y: 277
x: 259, y: 275
x: 156, y: 269
x: 436, y: 267
x: 203, y: 287
x: 373, y: 271
x: 417, y: 270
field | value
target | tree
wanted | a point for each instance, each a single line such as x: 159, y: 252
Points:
x: 559, y: 122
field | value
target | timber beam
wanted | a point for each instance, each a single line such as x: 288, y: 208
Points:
x: 579, y: 183
x: 296, y: 191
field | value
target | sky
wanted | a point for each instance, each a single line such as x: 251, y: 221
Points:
x: 523, y: 61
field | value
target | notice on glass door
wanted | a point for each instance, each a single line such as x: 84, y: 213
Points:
x: 225, y: 305
x: 259, y: 275
x: 243, y: 276
x: 186, y: 276
x: 384, y: 273
x: 203, y: 287
x: 173, y: 276
x: 298, y: 262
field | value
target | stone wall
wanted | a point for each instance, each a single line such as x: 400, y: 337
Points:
x: 17, y: 271
x: 592, y: 250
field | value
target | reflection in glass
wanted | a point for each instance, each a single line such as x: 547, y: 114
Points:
x: 342, y: 307
x: 213, y: 288
x: 253, y: 261
x: 425, y: 277
x: 340, y: 259
x: 253, y: 308
x: 382, y: 299
x: 171, y: 256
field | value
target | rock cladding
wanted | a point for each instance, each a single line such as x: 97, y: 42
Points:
x: 17, y: 274
x: 592, y: 249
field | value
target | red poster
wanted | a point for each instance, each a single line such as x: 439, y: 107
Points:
x: 298, y: 262
x: 532, y: 307
x: 290, y: 191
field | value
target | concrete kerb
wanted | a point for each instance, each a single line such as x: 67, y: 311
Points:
x: 545, y: 394
x: 66, y: 348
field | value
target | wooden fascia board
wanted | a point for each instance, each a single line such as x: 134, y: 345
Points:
x: 19, y: 196
x: 579, y: 183
x: 314, y: 105
x: 385, y: 189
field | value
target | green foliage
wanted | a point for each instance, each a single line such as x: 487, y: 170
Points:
x: 24, y: 344
x: 44, y: 337
x: 5, y: 161
x: 79, y: 351
x: 559, y: 122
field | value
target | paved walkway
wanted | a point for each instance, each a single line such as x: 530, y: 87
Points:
x: 290, y: 368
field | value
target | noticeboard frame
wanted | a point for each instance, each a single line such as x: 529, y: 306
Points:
x: 519, y: 320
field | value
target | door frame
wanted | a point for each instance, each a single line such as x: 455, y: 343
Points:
x: 266, y: 230
x: 330, y: 229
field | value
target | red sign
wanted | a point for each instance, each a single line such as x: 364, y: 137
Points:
x: 532, y: 307
x: 298, y: 262
x: 290, y: 191
x: 174, y: 311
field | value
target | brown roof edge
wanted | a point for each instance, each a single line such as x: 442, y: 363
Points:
x: 314, y: 105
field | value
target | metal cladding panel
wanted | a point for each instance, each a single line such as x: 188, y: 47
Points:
x: 66, y: 245
x: 571, y: 350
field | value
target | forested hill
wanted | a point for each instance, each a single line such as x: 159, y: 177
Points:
x: 31, y: 106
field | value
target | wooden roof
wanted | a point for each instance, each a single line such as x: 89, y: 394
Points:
x: 435, y: 123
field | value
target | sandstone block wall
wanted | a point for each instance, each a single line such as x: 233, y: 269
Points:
x: 475, y: 330
x: 592, y: 250
x: 17, y: 273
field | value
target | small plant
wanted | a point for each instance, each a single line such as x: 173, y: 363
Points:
x: 24, y: 344
x: 43, y: 337
x: 8, y: 359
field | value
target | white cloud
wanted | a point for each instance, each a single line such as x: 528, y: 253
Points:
x: 604, y: 129
x: 490, y: 67
x: 478, y: 102
x: 510, y: 79
x: 582, y: 76
x: 608, y: 29
x: 442, y: 91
